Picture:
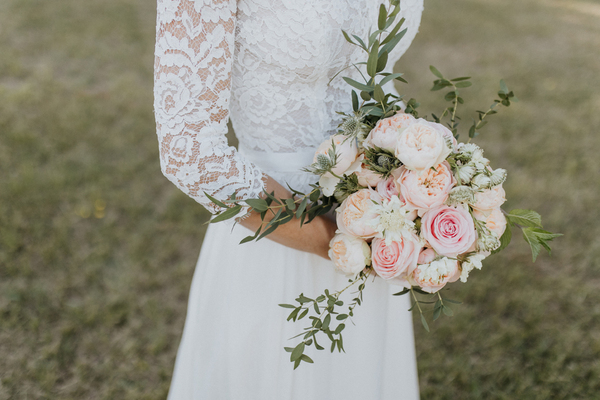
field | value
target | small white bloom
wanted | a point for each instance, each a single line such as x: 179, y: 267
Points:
x: 392, y: 221
x: 437, y: 271
x: 487, y: 240
x: 464, y: 173
x: 469, y: 264
x: 498, y: 177
x: 481, y: 181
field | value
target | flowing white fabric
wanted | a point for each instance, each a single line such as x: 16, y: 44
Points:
x: 267, y: 64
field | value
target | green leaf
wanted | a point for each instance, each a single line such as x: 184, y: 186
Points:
x: 354, y: 101
x: 339, y: 328
x: 287, y: 306
x: 382, y: 17
x: 288, y: 349
x: 359, y: 40
x: 463, y: 84
x: 358, y: 85
x: 297, y: 363
x: 341, y: 317
x: 225, y: 215
x: 389, y: 46
x: 373, y: 59
x: 347, y: 37
x: 463, y: 78
x: 297, y: 353
x: 525, y: 217
x: 301, y: 207
x: 306, y: 358
x: 217, y: 202
x: 436, y: 313
x: 382, y: 62
x: 390, y: 77
x: 378, y: 94
x: 393, y: 33
x: 503, y: 87
x: 267, y: 232
x: 533, y: 242
x: 365, y: 95
x: 424, y: 323
x: 448, y: 311
x: 259, y: 205
x: 290, y: 204
x: 303, y: 314
x: 326, y: 322
x: 435, y: 71
x: 314, y: 196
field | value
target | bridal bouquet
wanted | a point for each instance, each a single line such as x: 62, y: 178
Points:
x: 413, y: 205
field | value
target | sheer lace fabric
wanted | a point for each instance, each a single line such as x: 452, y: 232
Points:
x: 264, y: 63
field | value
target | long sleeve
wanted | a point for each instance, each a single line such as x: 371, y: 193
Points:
x: 192, y: 90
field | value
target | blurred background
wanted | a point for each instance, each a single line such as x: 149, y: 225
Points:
x: 97, y: 248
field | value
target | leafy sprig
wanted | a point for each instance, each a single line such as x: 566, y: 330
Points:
x: 325, y: 320
x: 274, y: 211
x: 530, y: 224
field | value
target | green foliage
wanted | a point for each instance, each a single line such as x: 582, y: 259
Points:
x: 322, y: 321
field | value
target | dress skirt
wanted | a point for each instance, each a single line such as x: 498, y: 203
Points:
x: 235, y: 332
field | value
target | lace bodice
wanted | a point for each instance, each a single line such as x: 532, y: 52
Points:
x: 264, y: 63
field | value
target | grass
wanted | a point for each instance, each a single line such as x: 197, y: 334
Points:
x: 97, y: 249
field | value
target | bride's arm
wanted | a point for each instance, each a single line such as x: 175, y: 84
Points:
x: 313, y: 237
x: 192, y: 71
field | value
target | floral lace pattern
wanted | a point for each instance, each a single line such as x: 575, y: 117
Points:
x: 267, y: 65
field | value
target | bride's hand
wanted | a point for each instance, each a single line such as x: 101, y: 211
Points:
x: 313, y: 238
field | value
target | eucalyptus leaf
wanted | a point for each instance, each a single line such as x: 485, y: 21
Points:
x: 227, y: 214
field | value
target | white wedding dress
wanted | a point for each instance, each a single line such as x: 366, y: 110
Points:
x: 267, y: 64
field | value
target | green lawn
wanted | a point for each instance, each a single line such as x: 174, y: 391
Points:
x: 97, y: 248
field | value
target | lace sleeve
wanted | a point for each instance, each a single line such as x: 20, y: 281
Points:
x: 192, y: 85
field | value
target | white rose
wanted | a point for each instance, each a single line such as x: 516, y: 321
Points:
x: 345, y: 149
x: 495, y: 221
x: 349, y: 254
x: 422, y: 145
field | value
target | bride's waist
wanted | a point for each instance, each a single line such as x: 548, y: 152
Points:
x: 287, y: 163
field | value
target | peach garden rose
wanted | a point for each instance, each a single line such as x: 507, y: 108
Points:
x: 354, y: 214
x: 386, y: 131
x: 429, y: 189
x: 422, y: 145
x: 350, y: 255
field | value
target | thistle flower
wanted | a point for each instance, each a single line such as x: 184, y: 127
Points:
x: 461, y: 194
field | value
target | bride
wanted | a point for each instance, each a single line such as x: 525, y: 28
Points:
x: 266, y: 64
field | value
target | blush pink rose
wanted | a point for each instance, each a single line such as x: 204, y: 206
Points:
x: 389, y: 187
x: 449, y: 230
x: 346, y: 151
x: 489, y: 199
x: 393, y: 260
x: 354, y: 214
x: 426, y: 256
x: 386, y: 131
x: 428, y: 189
x: 422, y: 145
